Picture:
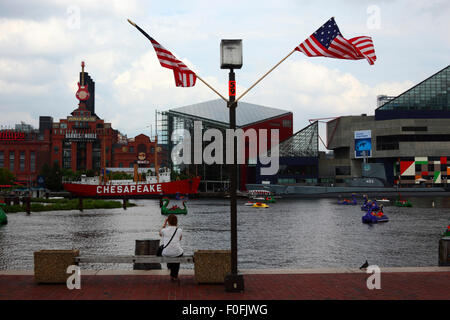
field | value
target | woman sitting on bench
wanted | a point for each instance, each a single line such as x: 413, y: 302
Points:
x: 171, y: 238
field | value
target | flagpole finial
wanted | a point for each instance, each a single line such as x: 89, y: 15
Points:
x: 131, y: 22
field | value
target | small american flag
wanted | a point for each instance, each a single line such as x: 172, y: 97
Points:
x: 328, y: 41
x: 184, y: 77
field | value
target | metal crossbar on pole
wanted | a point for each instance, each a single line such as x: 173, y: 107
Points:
x: 211, y: 88
x: 273, y: 68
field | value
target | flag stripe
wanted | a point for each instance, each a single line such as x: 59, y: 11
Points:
x: 183, y: 76
x: 332, y: 44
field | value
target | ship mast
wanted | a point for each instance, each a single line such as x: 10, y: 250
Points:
x: 156, y: 159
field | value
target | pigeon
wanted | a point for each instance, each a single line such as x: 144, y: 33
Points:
x: 364, y: 266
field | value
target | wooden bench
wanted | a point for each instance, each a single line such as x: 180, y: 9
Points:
x: 132, y: 259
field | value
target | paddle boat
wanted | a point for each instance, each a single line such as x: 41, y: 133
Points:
x: 375, y: 216
x: 352, y: 202
x: 260, y: 205
x: 3, y: 218
x: 249, y: 204
x: 174, y: 209
x: 369, y: 204
x: 269, y: 199
x: 447, y: 232
x: 403, y: 203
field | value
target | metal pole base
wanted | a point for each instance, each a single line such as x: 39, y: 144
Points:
x: 234, y: 283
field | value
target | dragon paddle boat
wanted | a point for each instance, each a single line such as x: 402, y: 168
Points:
x: 165, y: 210
x: 269, y: 199
x: 447, y: 232
x: 375, y: 216
x: 3, y: 218
x: 403, y: 203
x: 352, y: 202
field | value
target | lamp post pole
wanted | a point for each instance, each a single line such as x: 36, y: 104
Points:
x: 233, y: 205
x: 231, y: 58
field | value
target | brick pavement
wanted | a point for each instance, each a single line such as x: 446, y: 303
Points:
x: 273, y: 286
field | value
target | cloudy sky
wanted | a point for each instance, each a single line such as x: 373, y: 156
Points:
x: 43, y: 42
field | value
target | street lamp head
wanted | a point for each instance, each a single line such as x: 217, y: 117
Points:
x: 231, y: 54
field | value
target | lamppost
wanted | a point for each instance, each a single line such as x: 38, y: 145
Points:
x: 231, y: 58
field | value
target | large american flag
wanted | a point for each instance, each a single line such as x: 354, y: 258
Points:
x: 184, y: 77
x: 328, y: 41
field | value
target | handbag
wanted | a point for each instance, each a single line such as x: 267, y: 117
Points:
x: 162, y: 247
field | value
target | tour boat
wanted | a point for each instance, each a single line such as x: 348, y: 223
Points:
x: 151, y: 186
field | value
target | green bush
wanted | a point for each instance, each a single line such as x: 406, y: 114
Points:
x: 37, y: 205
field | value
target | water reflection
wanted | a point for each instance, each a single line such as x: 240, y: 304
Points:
x: 305, y: 233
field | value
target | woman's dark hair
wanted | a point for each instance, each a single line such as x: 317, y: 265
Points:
x: 172, y: 219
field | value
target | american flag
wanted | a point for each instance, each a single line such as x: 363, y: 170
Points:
x: 184, y: 77
x: 328, y: 41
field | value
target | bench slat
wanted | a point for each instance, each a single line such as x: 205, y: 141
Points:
x: 133, y: 259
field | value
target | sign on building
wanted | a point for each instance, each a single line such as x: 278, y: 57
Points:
x: 363, y: 143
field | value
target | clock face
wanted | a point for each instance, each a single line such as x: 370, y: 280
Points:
x: 141, y: 156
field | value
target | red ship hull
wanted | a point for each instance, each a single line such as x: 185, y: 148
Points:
x: 188, y: 186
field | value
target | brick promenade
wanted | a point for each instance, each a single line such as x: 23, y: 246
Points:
x: 417, y: 283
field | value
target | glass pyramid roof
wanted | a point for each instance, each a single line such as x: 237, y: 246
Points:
x: 304, y: 143
x: 430, y: 94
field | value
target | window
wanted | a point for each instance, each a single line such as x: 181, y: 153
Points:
x: 56, y: 150
x: 63, y: 125
x: 32, y: 161
x: 22, y: 161
x: 287, y: 123
x: 414, y: 129
x: 2, y: 159
x: 120, y: 165
x: 67, y: 158
x: 11, y: 161
x: 131, y: 149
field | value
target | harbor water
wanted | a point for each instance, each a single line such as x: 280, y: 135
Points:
x: 292, y: 233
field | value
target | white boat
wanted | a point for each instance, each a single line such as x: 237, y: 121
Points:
x: 259, y: 194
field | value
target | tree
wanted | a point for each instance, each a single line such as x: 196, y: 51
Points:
x: 53, y: 176
x: 6, y: 176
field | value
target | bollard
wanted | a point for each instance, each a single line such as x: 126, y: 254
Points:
x: 146, y: 247
x: 80, y: 204
x: 444, y: 251
x: 124, y: 204
x: 28, y: 204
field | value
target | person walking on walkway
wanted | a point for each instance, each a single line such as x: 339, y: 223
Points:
x: 171, y: 239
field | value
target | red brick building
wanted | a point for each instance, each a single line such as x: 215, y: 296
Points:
x: 80, y: 142
x: 24, y: 153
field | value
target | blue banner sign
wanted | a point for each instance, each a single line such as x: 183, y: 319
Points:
x: 363, y: 143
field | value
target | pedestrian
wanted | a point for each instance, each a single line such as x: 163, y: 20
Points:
x: 171, y: 239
